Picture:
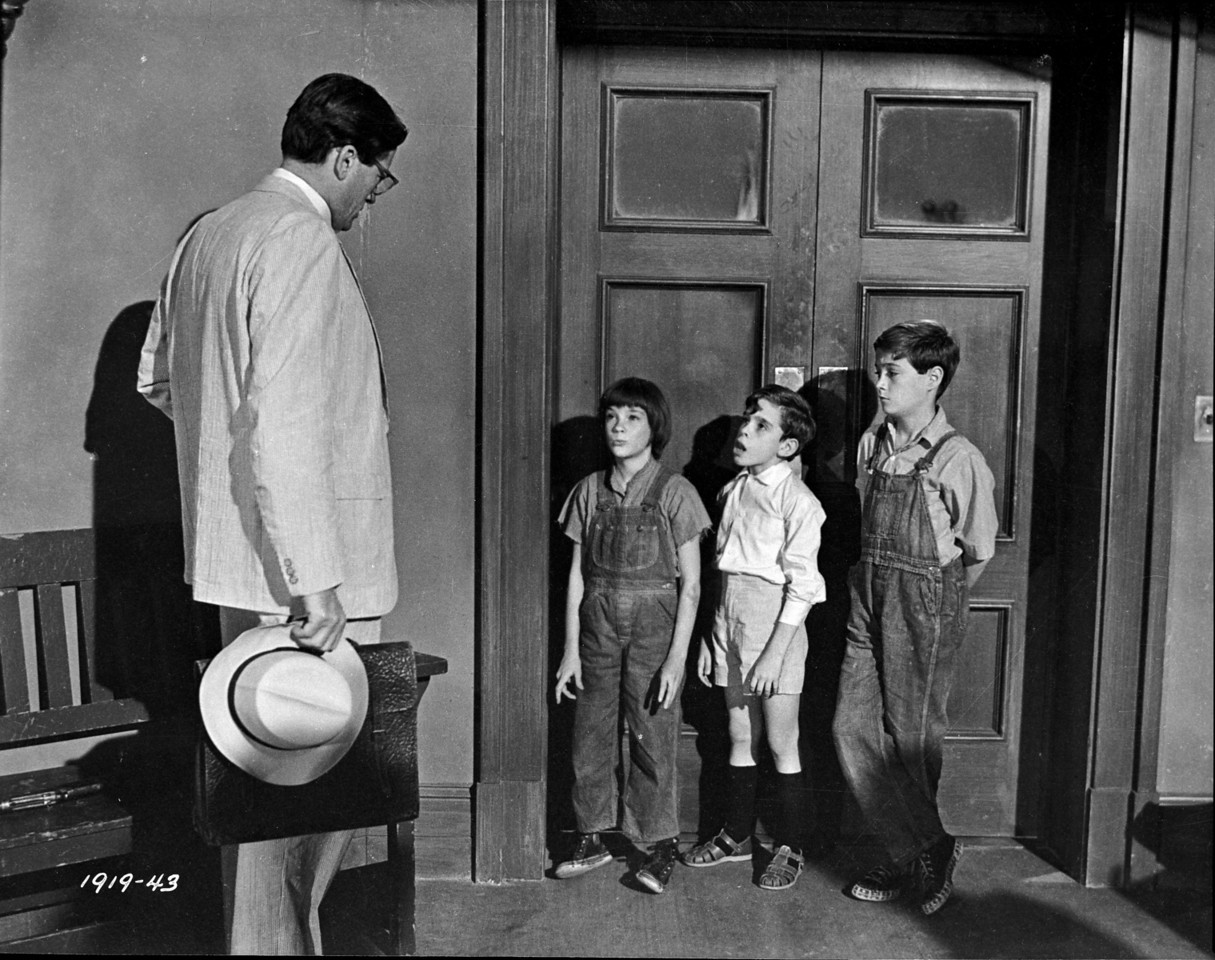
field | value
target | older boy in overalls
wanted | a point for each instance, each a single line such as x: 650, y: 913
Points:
x: 928, y: 529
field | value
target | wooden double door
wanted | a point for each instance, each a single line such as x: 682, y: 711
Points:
x: 735, y: 217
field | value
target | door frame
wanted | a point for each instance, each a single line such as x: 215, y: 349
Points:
x: 1108, y: 635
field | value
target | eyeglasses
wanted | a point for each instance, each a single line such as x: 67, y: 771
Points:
x: 386, y: 182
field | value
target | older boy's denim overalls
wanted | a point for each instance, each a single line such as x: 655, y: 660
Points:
x: 627, y: 619
x: 907, y: 622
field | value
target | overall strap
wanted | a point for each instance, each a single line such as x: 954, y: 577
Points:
x: 654, y: 495
x: 604, y: 498
x: 924, y: 464
x: 879, y: 439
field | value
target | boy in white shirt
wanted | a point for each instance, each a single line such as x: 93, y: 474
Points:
x: 767, y: 556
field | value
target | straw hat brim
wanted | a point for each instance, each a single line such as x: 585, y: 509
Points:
x: 280, y: 767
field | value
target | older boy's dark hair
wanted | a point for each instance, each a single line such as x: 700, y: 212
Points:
x: 635, y: 392
x: 925, y: 344
x: 335, y: 110
x: 796, y: 420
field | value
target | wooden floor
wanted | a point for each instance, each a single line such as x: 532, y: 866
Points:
x: 1009, y: 903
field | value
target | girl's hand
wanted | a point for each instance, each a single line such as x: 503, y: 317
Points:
x: 570, y: 669
x: 704, y: 664
x: 670, y: 679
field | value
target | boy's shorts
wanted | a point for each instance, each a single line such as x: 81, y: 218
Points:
x: 745, y: 617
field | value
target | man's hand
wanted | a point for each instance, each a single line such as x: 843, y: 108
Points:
x: 570, y: 669
x: 324, y: 623
x: 764, y: 675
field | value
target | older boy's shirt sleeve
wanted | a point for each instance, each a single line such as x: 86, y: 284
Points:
x: 804, y: 585
x: 685, y: 512
x: 572, y: 518
x: 968, y: 490
x: 864, y: 450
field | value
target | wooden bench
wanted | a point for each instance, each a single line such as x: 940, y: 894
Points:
x: 66, y: 645
x: 51, y: 690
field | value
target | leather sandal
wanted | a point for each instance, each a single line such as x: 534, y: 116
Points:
x: 721, y: 849
x: 782, y: 870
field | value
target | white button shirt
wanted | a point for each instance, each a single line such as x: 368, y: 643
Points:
x: 771, y: 528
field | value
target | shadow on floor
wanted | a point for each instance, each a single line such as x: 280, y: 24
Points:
x: 1009, y: 903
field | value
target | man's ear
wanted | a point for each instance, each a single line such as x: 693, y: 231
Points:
x: 342, y: 160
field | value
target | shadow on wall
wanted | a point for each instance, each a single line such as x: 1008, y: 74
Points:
x: 577, y: 450
x: 1178, y: 893
x: 827, y: 622
x: 149, y: 630
x: 704, y: 709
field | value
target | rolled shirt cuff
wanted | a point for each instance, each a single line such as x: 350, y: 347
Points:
x: 794, y: 612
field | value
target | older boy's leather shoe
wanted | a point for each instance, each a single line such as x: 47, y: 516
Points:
x: 655, y: 873
x: 589, y: 853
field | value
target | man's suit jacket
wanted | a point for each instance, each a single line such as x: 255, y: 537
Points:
x: 262, y: 350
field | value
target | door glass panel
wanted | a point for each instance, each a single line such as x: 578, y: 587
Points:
x: 981, y: 400
x: 947, y: 165
x: 700, y: 343
x: 976, y: 706
x: 691, y: 159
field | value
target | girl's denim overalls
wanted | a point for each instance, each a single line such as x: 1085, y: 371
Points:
x: 907, y: 623
x: 627, y: 616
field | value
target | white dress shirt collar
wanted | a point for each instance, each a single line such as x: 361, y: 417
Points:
x: 313, y: 197
x: 774, y: 474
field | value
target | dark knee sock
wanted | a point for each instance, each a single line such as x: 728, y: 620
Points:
x: 790, y: 814
x: 740, y: 802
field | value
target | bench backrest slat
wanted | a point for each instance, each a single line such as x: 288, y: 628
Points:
x: 38, y: 566
x: 54, y: 670
x: 86, y: 612
x: 14, y: 684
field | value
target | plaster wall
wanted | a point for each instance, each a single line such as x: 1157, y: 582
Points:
x: 1186, y: 735
x: 123, y: 120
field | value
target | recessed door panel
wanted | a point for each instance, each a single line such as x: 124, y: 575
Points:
x: 700, y: 341
x: 984, y: 393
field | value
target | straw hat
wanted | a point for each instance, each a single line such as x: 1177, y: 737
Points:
x: 280, y: 713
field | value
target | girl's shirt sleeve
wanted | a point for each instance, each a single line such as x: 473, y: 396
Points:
x: 573, y: 516
x: 686, y: 513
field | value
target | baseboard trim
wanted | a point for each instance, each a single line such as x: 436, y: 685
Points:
x: 1173, y: 840
x: 443, y: 831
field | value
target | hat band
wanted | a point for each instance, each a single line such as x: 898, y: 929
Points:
x: 235, y: 713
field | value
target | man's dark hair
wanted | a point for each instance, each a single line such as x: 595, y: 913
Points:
x: 796, y: 420
x: 635, y: 392
x: 925, y: 344
x: 335, y: 110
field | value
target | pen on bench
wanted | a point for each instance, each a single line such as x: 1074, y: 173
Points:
x: 48, y: 797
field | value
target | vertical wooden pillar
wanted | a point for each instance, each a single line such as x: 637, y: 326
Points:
x: 519, y: 116
x: 1173, y: 431
x: 1126, y: 639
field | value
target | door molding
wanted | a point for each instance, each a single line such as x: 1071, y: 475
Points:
x: 1137, y: 504
x: 518, y: 131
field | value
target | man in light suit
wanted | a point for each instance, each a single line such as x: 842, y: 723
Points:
x: 262, y: 350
